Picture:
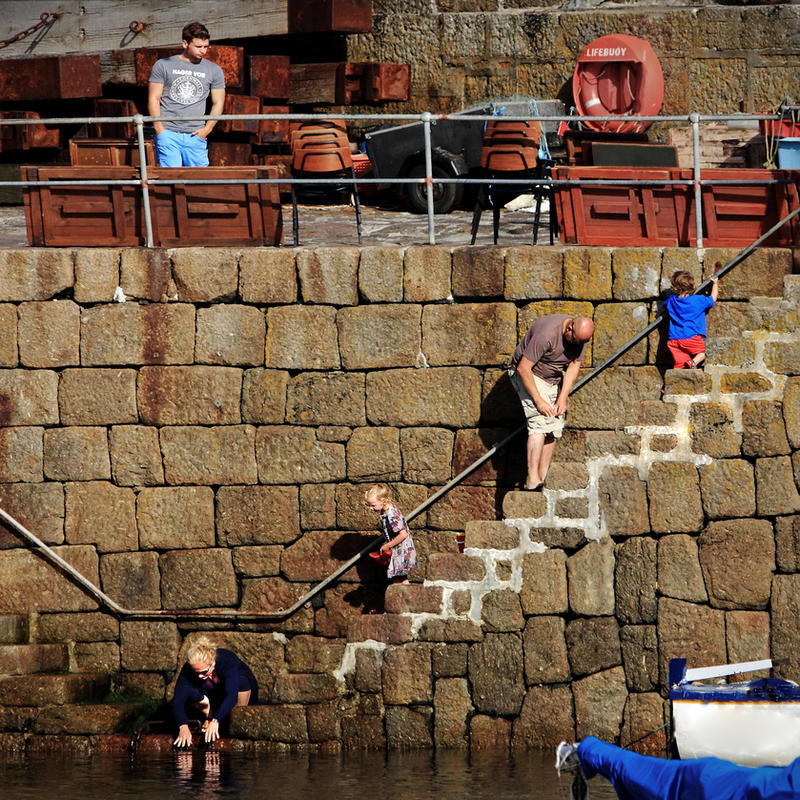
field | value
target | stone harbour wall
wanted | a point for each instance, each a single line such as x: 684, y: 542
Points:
x: 717, y: 58
x: 194, y: 429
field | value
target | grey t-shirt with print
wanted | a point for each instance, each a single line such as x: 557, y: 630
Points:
x: 186, y: 88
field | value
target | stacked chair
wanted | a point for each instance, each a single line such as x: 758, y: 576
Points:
x: 321, y: 149
x: 510, y: 151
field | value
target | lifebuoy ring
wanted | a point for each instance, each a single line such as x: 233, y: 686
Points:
x: 618, y: 74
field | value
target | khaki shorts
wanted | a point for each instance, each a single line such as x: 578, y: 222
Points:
x: 536, y: 421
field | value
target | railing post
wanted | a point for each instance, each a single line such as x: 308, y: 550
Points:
x: 698, y: 191
x: 426, y: 129
x: 148, y: 222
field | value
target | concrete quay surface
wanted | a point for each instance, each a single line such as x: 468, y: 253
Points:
x: 382, y: 225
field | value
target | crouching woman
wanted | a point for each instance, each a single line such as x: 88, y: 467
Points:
x: 212, y: 681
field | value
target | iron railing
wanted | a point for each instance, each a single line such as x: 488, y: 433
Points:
x: 428, y: 180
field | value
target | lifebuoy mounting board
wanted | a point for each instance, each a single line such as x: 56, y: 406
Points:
x: 618, y: 74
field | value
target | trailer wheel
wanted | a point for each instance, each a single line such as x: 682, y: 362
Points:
x: 446, y: 196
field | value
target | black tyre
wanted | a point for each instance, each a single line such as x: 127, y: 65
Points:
x: 446, y: 196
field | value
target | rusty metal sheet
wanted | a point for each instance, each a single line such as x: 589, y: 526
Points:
x: 269, y: 76
x: 27, y: 137
x: 230, y: 58
x: 50, y: 78
x: 386, y: 81
x: 330, y: 16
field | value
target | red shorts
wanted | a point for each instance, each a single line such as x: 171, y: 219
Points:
x: 683, y: 349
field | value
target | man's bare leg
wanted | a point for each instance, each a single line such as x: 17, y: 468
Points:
x: 546, y: 456
x: 535, y: 454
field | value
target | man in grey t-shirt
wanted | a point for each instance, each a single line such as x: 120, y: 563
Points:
x: 543, y: 369
x: 179, y: 87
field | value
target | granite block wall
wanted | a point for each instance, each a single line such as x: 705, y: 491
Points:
x: 717, y: 57
x: 195, y: 428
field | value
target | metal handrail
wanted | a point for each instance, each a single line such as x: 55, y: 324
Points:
x: 428, y: 180
x: 234, y: 614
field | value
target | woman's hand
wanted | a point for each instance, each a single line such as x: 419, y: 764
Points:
x: 212, y: 730
x: 184, y: 737
x: 384, y: 547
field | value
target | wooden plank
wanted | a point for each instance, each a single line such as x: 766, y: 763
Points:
x: 96, y: 26
x: 330, y: 16
x: 312, y: 84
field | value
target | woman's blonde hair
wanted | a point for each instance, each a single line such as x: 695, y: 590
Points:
x: 202, y: 651
x: 380, y: 491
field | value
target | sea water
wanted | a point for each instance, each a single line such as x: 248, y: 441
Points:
x: 209, y: 774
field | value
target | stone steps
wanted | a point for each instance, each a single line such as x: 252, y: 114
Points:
x: 45, y: 690
x: 27, y: 659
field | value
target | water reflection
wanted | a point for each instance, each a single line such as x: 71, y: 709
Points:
x: 208, y: 775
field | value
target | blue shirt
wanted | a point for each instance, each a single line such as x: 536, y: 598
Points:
x: 687, y: 315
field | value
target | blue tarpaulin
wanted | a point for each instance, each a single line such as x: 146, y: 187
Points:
x: 637, y: 777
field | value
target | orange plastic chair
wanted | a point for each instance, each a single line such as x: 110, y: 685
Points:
x: 322, y: 152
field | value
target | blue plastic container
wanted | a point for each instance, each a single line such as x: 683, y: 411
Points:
x: 789, y: 153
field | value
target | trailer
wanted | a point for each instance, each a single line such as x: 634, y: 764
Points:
x: 398, y: 151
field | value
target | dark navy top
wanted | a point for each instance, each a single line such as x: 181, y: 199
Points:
x: 234, y: 676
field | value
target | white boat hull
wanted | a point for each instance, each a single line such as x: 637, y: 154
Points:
x: 747, y: 733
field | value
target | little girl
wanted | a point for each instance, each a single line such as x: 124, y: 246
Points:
x: 395, y: 531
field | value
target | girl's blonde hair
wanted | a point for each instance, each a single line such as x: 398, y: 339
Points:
x: 202, y: 651
x: 380, y: 491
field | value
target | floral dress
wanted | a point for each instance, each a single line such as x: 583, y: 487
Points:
x: 404, y: 555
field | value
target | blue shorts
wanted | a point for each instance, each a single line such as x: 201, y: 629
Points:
x: 175, y: 149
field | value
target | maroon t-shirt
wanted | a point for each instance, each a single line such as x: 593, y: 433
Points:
x: 544, y: 346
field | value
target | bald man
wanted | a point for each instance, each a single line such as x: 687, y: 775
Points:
x: 543, y: 370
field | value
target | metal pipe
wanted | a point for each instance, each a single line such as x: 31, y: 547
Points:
x: 234, y: 614
x: 698, y: 192
x: 148, y: 221
x: 426, y: 128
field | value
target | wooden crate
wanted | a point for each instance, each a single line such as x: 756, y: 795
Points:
x: 619, y: 215
x: 109, y: 152
x: 110, y: 107
x: 735, y: 216
x: 70, y: 216
x: 218, y: 214
x: 182, y: 215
